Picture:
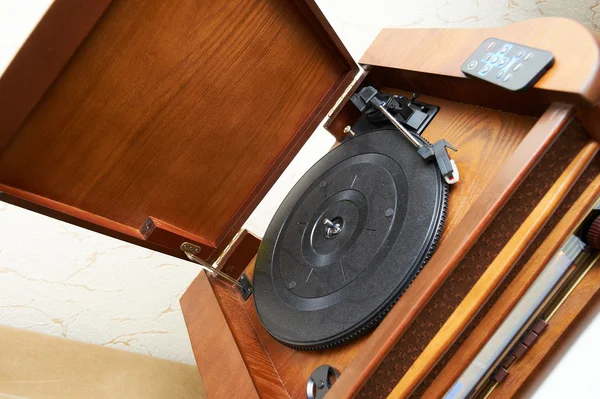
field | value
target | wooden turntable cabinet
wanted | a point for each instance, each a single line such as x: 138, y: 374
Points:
x: 164, y: 122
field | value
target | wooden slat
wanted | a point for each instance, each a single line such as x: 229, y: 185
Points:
x: 494, y: 275
x: 452, y: 249
x: 514, y: 292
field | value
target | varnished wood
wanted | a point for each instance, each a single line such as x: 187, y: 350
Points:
x: 158, y: 232
x: 185, y: 114
x: 41, y: 58
x: 513, y: 293
x: 257, y: 361
x: 442, y: 52
x: 239, y: 255
x: 220, y: 363
x: 494, y: 275
x: 563, y: 319
x: 472, y: 220
x: 590, y: 119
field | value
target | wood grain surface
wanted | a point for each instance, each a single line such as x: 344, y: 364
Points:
x: 220, y: 363
x: 241, y: 251
x: 442, y: 52
x: 487, y: 200
x: 514, y: 291
x: 185, y: 113
x: 494, y: 274
x: 41, y: 58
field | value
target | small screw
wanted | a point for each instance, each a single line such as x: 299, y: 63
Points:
x: 323, y: 184
x: 321, y: 384
x: 389, y: 212
x: 348, y: 130
x: 291, y: 285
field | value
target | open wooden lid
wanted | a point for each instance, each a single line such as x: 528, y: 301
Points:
x: 164, y: 122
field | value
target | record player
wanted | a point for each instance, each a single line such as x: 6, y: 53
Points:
x: 164, y: 125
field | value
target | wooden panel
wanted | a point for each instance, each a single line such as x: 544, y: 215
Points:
x: 41, y: 58
x: 487, y: 139
x: 259, y: 364
x: 494, y: 274
x: 574, y: 47
x: 184, y: 112
x: 478, y: 199
x: 219, y: 361
x: 514, y: 291
x: 239, y: 254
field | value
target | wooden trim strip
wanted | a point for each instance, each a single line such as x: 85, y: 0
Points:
x: 41, y: 58
x: 38, y: 201
x: 452, y: 249
x: 473, y: 344
x: 78, y: 217
x: 494, y: 275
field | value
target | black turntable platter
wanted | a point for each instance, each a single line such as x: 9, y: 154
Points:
x: 348, y: 240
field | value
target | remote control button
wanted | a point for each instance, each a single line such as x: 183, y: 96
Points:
x: 499, y: 74
x: 504, y: 49
x: 484, y: 70
x: 520, y: 54
x: 487, y: 57
x: 472, y: 64
x: 490, y: 45
x: 507, y: 77
x: 494, y: 59
x: 528, y: 56
x: 502, y: 62
x: 518, y: 66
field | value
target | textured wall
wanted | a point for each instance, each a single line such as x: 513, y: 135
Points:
x: 62, y: 280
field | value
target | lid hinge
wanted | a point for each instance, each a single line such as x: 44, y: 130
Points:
x: 243, y: 284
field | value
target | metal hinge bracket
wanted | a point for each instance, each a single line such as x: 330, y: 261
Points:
x: 243, y: 284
